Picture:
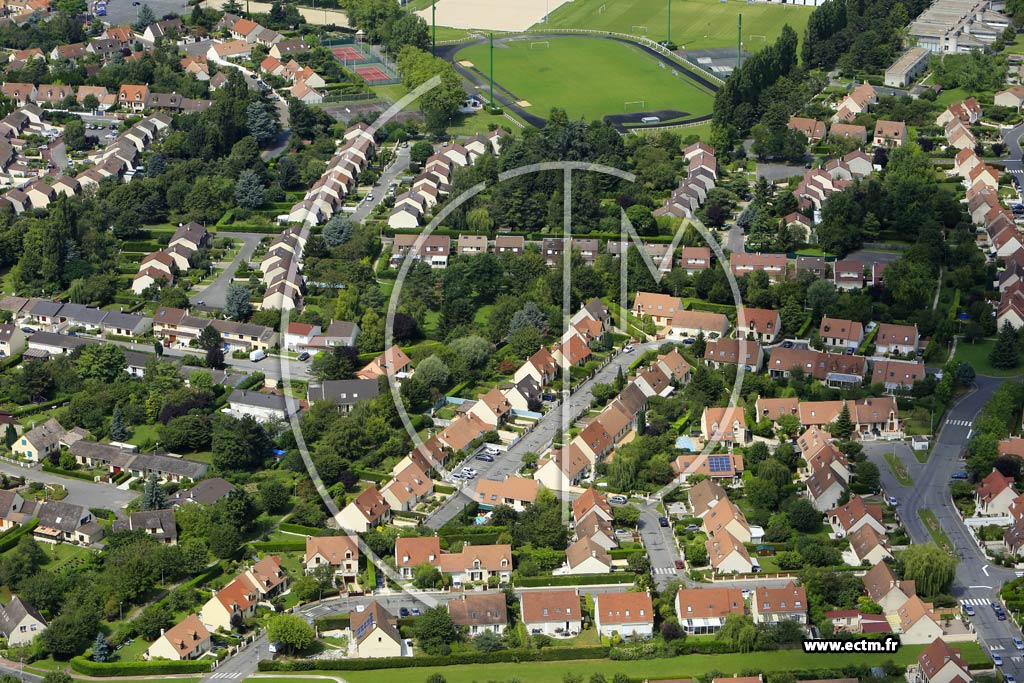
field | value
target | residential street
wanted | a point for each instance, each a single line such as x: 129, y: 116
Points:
x: 214, y: 295
x: 538, y: 439
x: 975, y: 578
x: 79, y: 492
x: 397, y: 168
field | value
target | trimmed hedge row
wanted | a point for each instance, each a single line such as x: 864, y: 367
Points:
x: 38, y: 407
x: 10, y: 538
x: 333, y: 622
x: 90, y: 668
x: 502, y: 656
x: 376, y: 477
x: 573, y: 580
x: 278, y: 546
x: 74, y: 474
x: 300, y: 529
x: 241, y: 227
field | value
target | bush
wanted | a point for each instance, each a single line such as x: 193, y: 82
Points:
x: 278, y: 546
x: 10, y: 538
x: 332, y: 623
x: 84, y: 476
x: 576, y: 580
x: 137, y: 669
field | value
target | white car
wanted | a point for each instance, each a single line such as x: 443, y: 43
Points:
x: 996, y: 659
x: 628, y: 348
x: 492, y: 450
x: 469, y: 470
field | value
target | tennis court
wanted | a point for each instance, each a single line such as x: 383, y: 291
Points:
x: 348, y: 54
x: 372, y: 74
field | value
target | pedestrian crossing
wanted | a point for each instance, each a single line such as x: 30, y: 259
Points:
x: 974, y: 601
x: 960, y: 423
x: 1016, y: 171
x: 234, y: 674
x: 664, y: 571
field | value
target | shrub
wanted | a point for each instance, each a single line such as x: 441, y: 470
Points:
x: 137, y: 669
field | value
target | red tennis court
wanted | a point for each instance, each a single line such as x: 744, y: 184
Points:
x: 372, y: 74
x: 347, y: 54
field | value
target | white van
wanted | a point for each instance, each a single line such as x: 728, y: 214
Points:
x: 650, y: 119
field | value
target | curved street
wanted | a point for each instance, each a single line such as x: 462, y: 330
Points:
x: 976, y: 579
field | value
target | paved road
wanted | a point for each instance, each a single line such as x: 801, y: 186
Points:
x: 975, y: 578
x: 734, y: 239
x: 397, y: 168
x: 79, y: 492
x: 243, y: 664
x: 215, y: 294
x: 539, y: 438
x: 1013, y: 163
x: 660, y: 544
x: 14, y: 669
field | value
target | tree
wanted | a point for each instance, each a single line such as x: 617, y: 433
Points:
x: 930, y: 566
x: 488, y: 641
x: 420, y: 152
x: 337, y: 230
x: 433, y: 372
x: 261, y: 122
x: 90, y: 102
x: 214, y: 359
x: 118, y: 429
x: 153, y: 495
x: 72, y: 8
x: 821, y: 296
x: 804, y: 517
x: 224, y: 540
x: 249, y: 192
x: 74, y: 134
x: 626, y: 515
x: 274, y: 497
x: 842, y: 426
x: 867, y: 477
x: 435, y: 632
x: 237, y: 306
x: 100, y: 649
x: 209, y: 338
x: 290, y: 630
x: 239, y: 444
x: 426, y: 575
x: 57, y: 677
x: 101, y: 362
x: 1005, y: 353
x: 145, y: 18
x: 10, y: 436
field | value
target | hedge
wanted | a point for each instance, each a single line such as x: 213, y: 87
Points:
x: 573, y: 580
x: 10, y: 538
x: 376, y: 477
x: 333, y: 622
x: 74, y: 474
x: 278, y: 546
x: 38, y: 407
x: 103, y: 513
x: 300, y: 529
x: 554, y: 654
x: 242, y: 227
x: 138, y: 669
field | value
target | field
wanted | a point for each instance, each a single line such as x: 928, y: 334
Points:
x: 675, y: 667
x: 589, y: 77
x: 696, y: 24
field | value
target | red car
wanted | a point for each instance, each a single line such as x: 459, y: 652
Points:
x: 680, y: 565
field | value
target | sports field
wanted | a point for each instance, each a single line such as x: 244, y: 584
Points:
x: 696, y: 24
x: 588, y: 77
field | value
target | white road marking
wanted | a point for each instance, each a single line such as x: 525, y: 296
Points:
x: 984, y: 570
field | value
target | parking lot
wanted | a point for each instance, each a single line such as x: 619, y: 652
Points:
x: 120, y: 12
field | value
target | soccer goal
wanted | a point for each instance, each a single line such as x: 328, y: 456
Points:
x: 634, y: 105
x: 540, y: 45
x: 642, y: 30
x: 602, y: 8
x: 755, y: 36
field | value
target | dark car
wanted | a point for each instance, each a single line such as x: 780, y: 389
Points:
x: 663, y: 521
x: 958, y: 475
x: 28, y: 330
x: 403, y: 612
x: 787, y: 344
x: 485, y: 457
x: 303, y: 356
x: 680, y: 565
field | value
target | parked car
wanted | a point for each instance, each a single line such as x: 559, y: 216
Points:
x: 680, y: 564
x: 969, y: 610
x: 618, y: 500
x: 628, y: 348
x: 403, y: 612
x: 692, y: 527
x: 492, y: 450
x: 958, y: 475
x: 996, y: 659
x: 1018, y: 643
x: 304, y: 356
x: 28, y: 330
x: 663, y: 521
x: 624, y: 533
x: 892, y: 501
x: 485, y: 457
x: 415, y: 611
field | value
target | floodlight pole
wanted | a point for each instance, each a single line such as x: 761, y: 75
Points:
x: 433, y: 28
x: 668, y: 28
x: 739, y: 40
x: 492, y: 69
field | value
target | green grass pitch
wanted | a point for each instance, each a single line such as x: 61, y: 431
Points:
x: 696, y: 24
x: 588, y: 77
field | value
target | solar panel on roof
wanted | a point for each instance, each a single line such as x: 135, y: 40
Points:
x: 364, y: 627
x: 719, y: 463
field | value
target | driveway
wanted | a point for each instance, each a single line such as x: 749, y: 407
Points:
x: 977, y: 582
x: 776, y: 172
x: 871, y: 256
x: 215, y: 294
x: 537, y: 440
x: 79, y: 492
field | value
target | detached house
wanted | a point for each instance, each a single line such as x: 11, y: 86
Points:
x: 479, y: 612
x: 20, y: 622
x: 188, y: 639
x: 702, y: 611
x: 375, y: 633
x: 840, y: 334
x: 39, y: 442
x: 939, y: 663
x: 882, y: 586
x: 367, y: 510
x: 238, y: 599
x: 629, y: 614
x: 896, y: 339
x: 340, y: 553
x: 772, y: 605
x: 760, y: 324
x: 725, y: 425
x: 551, y: 612
x: 995, y: 494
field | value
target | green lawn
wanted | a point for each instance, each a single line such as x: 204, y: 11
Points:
x: 931, y: 522
x: 899, y: 470
x: 675, y: 667
x: 480, y: 122
x: 588, y: 77
x: 696, y: 24
x: 977, y: 355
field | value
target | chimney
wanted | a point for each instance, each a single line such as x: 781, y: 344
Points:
x: 162, y: 631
